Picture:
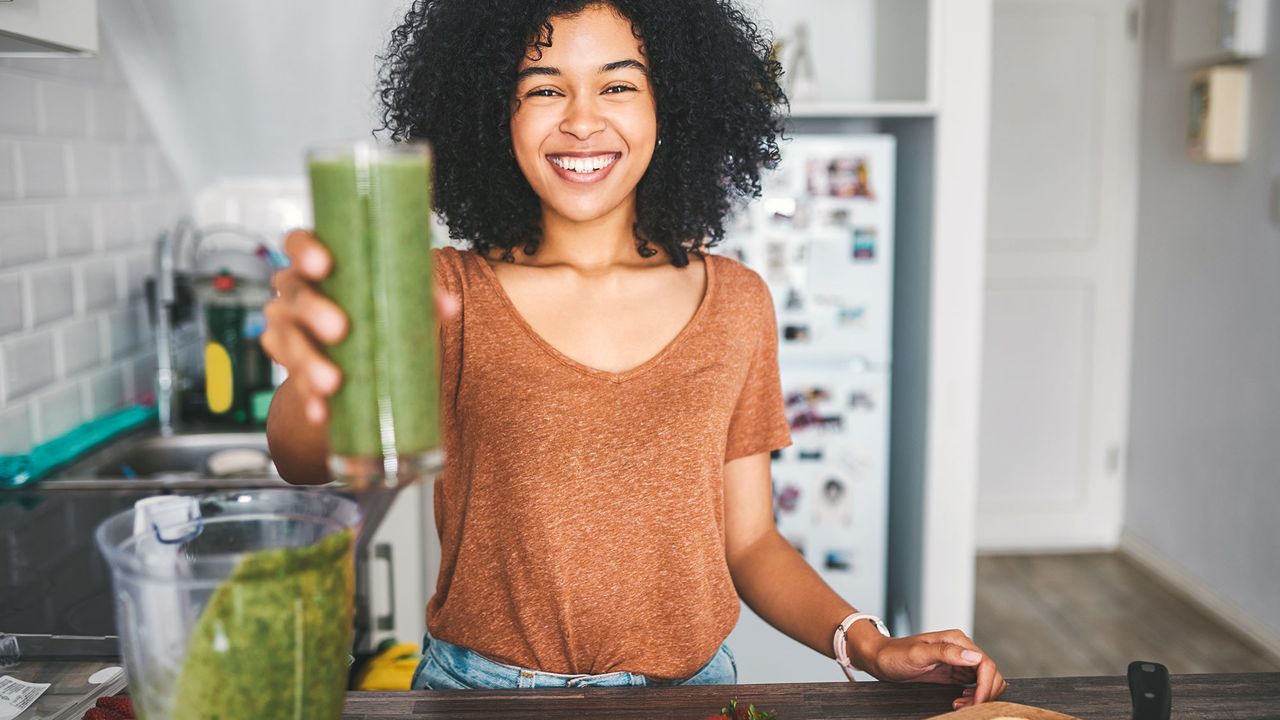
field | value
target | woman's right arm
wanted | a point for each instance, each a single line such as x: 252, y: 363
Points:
x: 299, y: 321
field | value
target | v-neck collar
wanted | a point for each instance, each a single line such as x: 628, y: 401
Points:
x: 492, y: 278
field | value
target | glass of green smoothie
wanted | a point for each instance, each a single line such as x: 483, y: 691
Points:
x: 373, y: 212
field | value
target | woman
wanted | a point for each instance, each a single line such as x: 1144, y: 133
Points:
x: 610, y: 392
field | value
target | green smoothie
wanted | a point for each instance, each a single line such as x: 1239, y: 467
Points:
x: 274, y: 638
x: 373, y: 212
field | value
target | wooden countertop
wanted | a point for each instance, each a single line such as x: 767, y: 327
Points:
x: 1236, y: 696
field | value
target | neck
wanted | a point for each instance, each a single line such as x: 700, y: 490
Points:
x: 591, y: 245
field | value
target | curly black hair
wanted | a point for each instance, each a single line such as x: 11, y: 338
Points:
x: 449, y: 77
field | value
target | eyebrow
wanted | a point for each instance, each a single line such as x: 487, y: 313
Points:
x: 537, y: 70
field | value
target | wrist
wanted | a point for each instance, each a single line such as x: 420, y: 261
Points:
x: 865, y: 641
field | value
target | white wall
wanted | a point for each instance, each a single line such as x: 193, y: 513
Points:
x: 239, y: 88
x: 1204, y: 471
x: 84, y: 188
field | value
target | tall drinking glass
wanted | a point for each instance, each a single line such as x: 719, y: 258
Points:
x: 373, y: 212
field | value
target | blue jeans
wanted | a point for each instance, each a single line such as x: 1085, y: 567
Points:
x: 445, y: 666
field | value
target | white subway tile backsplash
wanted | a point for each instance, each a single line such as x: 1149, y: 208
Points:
x: 139, y: 126
x: 8, y: 171
x: 59, y: 411
x: 42, y: 169
x: 73, y: 229
x: 28, y: 364
x: 52, y: 294
x: 135, y: 171
x: 24, y: 235
x: 155, y: 215
x: 66, y: 109
x: 11, y: 304
x: 106, y: 391
x: 82, y: 177
x: 111, y: 113
x: 137, y: 266
x: 122, y: 332
x: 94, y: 172
x: 99, y: 287
x: 118, y: 227
x: 162, y: 172
x: 143, y: 375
x: 18, y: 113
x: 81, y: 345
x: 15, y: 430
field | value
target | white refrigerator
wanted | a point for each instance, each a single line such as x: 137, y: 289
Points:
x: 821, y: 235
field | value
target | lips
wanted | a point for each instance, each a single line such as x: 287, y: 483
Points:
x: 583, y: 167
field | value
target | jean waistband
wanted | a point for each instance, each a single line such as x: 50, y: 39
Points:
x: 470, y: 664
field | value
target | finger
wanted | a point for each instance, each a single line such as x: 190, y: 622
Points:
x: 319, y: 315
x: 1001, y: 686
x: 308, y: 254
x: 447, y: 305
x: 954, y: 655
x: 967, y: 692
x: 986, y: 681
x: 316, y: 410
x: 287, y: 345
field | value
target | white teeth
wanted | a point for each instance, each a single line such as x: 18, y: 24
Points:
x: 584, y: 165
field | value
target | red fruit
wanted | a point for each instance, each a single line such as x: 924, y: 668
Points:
x: 719, y: 717
x: 118, y: 704
x: 97, y: 713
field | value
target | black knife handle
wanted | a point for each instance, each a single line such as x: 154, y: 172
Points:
x: 1149, y: 690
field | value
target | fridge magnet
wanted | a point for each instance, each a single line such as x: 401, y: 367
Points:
x: 795, y: 333
x: 810, y: 454
x: 805, y: 412
x: 837, y: 559
x: 864, y: 244
x: 841, y: 216
x: 841, y: 177
x: 851, y: 317
x: 861, y: 400
x: 786, y: 497
x: 833, y: 506
x: 794, y: 301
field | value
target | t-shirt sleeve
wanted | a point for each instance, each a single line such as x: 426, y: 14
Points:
x: 447, y: 276
x: 759, y: 421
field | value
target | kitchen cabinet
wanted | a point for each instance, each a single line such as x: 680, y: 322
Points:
x: 48, y: 28
x: 402, y: 557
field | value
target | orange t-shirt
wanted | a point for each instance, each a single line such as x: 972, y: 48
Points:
x: 581, y: 512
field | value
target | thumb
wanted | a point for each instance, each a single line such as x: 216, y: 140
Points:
x: 953, y: 655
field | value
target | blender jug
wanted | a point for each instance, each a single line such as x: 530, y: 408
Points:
x: 235, y: 604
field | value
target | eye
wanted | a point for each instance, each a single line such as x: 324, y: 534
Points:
x: 617, y: 89
x: 542, y: 92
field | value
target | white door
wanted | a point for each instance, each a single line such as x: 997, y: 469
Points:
x: 1059, y: 268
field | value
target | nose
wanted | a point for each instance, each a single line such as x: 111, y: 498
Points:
x: 582, y: 118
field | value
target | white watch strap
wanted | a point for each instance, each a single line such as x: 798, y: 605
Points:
x: 839, y: 643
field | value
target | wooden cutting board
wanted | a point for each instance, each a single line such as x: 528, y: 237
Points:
x: 1002, y: 711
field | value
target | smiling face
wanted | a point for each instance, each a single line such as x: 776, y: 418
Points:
x: 584, y: 121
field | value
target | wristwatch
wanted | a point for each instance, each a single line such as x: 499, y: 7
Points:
x: 840, y: 642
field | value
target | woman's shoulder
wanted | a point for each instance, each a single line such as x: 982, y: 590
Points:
x: 737, y: 283
x: 451, y: 267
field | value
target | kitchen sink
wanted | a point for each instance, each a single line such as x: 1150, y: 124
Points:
x: 208, y: 457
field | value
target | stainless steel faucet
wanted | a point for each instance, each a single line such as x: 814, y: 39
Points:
x: 165, y: 297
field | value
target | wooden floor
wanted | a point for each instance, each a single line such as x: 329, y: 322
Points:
x: 1058, y: 615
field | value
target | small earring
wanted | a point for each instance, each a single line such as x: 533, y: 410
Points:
x: 659, y: 142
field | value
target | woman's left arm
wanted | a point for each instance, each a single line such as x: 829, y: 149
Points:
x: 780, y: 586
